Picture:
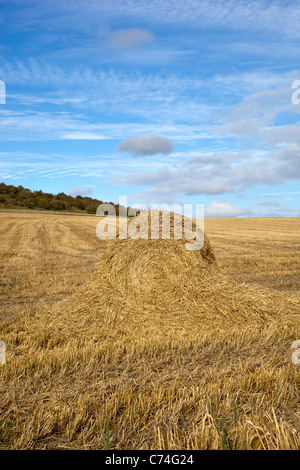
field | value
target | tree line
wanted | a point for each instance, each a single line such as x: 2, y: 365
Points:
x: 20, y: 197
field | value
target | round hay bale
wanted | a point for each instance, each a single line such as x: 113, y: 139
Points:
x: 162, y: 286
x: 153, y: 268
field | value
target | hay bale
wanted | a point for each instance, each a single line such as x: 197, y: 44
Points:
x: 162, y: 286
x: 151, y: 281
x: 151, y: 268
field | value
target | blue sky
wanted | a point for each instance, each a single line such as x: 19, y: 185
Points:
x: 163, y: 101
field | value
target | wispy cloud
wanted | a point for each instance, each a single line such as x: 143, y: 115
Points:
x: 231, y: 14
x: 67, y: 125
x: 212, y: 77
x: 82, y: 136
x: 184, y: 107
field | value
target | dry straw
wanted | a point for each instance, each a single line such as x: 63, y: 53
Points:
x: 160, y: 284
x: 158, y: 351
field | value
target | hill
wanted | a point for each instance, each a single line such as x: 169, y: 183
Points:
x: 18, y: 197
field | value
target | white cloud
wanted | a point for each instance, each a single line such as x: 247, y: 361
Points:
x: 274, y: 208
x: 254, y: 117
x: 216, y: 173
x: 82, y: 136
x: 146, y: 144
x: 279, y: 193
x: 129, y: 38
x: 77, y: 191
x: 224, y: 209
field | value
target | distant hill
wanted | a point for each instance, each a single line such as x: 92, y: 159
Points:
x: 13, y: 197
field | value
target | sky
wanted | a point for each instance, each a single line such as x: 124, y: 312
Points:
x: 161, y: 101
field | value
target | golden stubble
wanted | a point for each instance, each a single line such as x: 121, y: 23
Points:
x: 96, y: 358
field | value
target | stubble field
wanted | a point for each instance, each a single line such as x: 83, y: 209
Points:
x: 218, y: 376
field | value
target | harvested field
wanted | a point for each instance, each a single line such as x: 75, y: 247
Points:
x: 44, y: 258
x: 140, y: 344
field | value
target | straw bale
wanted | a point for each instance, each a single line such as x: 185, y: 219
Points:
x: 160, y: 284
